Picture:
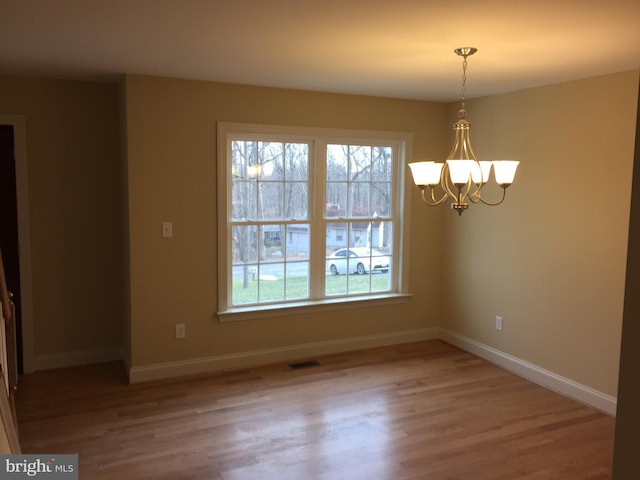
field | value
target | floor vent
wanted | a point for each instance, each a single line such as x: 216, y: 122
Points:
x: 296, y: 366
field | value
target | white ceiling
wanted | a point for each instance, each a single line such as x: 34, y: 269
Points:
x: 393, y: 48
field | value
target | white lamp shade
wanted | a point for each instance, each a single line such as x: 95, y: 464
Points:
x: 460, y: 170
x: 505, y: 171
x: 426, y: 173
x: 480, y: 172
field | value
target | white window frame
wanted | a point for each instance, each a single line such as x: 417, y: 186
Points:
x: 318, y: 139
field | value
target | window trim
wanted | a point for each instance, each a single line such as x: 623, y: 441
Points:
x: 402, y: 198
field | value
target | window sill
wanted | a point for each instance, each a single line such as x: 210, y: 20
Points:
x: 296, y: 308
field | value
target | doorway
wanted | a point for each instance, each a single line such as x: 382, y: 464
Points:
x: 9, y: 242
x: 14, y: 231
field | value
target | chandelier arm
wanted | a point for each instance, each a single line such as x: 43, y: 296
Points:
x: 448, y: 187
x: 476, y: 195
x: 433, y: 201
x: 459, y: 194
x: 493, y: 204
x: 445, y: 181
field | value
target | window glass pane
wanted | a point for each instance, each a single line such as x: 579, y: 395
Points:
x: 244, y: 252
x: 243, y: 154
x: 271, y: 281
x: 381, y: 265
x: 359, y: 200
x: 271, y: 156
x: 336, y: 238
x: 296, y: 201
x: 359, y: 234
x: 297, y: 286
x: 244, y: 248
x: 337, y: 162
x: 381, y: 164
x: 297, y: 242
x: 297, y: 256
x: 270, y: 204
x: 297, y: 162
x: 272, y: 245
x: 380, y: 199
x: 244, y: 204
x: 244, y: 284
x: 360, y: 163
x: 336, y: 197
x: 244, y: 157
x: 382, y: 236
x: 335, y: 263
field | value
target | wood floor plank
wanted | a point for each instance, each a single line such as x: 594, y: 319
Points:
x: 416, y: 411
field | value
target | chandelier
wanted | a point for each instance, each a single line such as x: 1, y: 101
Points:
x: 462, y: 177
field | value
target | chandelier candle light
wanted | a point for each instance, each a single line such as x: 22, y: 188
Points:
x: 462, y: 176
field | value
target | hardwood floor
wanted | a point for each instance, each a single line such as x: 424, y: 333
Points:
x: 417, y: 411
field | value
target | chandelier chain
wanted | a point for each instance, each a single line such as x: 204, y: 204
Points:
x: 464, y: 81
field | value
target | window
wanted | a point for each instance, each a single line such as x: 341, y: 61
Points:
x: 308, y: 216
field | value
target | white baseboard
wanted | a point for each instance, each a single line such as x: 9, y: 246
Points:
x: 72, y: 359
x: 534, y: 373
x: 272, y: 355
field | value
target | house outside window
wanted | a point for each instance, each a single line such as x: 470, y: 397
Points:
x: 307, y: 216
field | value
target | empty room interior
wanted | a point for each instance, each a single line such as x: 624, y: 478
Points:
x: 224, y: 267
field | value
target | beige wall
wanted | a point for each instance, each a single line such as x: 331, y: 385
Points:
x: 551, y: 260
x: 75, y: 219
x: 172, y: 177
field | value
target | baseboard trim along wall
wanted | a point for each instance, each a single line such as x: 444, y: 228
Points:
x: 72, y: 359
x: 273, y: 355
x: 534, y: 373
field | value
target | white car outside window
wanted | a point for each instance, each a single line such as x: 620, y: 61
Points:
x: 360, y: 260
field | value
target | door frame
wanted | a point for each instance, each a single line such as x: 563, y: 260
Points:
x: 24, y: 236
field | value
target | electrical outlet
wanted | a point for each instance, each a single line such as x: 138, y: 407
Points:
x: 499, y: 323
x: 181, y: 331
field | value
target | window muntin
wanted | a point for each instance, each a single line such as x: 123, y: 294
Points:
x: 278, y: 197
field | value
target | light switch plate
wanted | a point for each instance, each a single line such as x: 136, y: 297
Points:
x: 167, y: 229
